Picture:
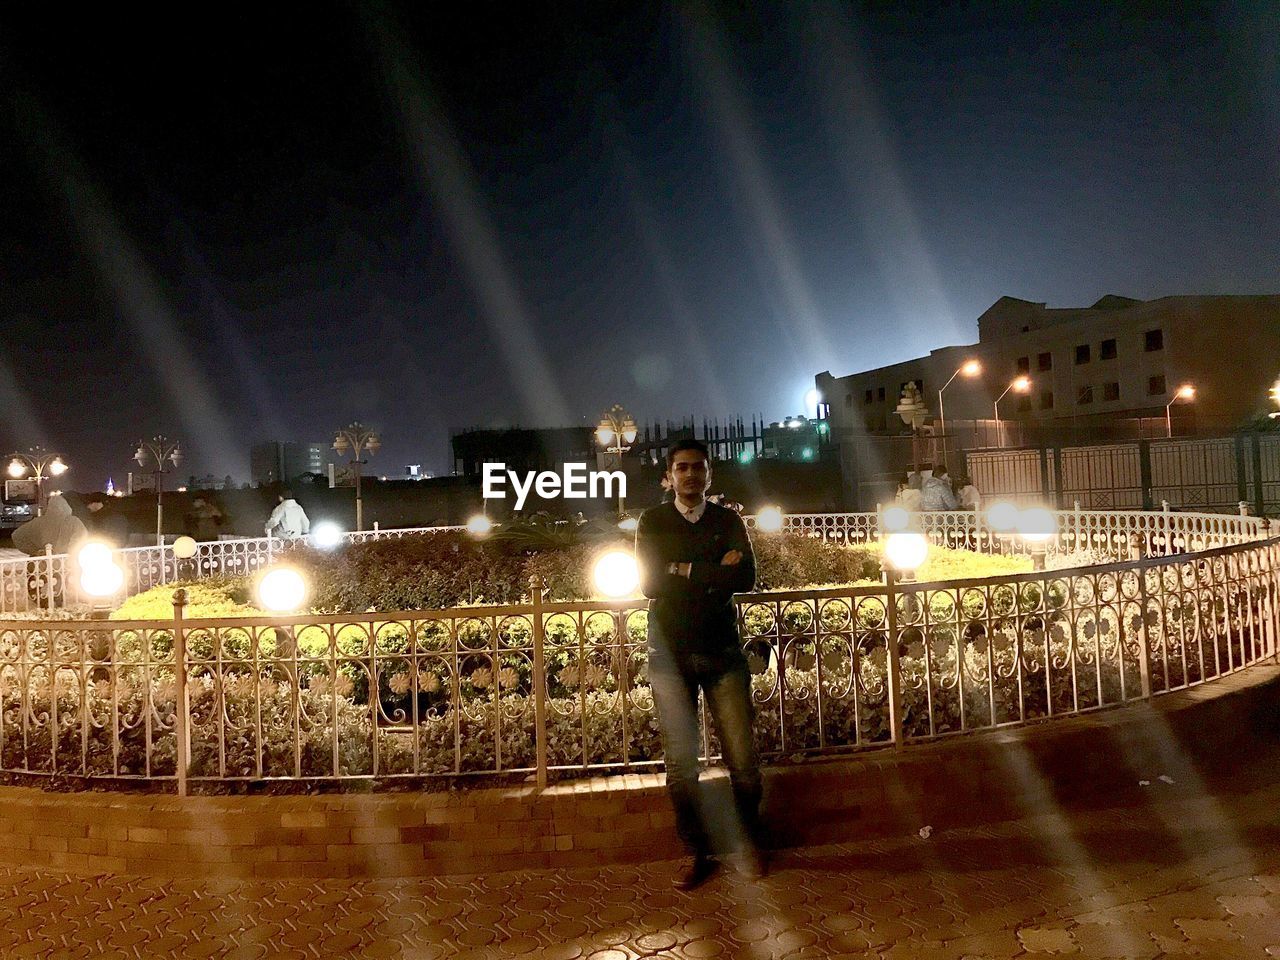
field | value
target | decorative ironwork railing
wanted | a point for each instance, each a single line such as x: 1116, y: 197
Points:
x: 538, y: 687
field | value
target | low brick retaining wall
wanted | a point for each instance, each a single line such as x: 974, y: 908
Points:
x: 970, y: 779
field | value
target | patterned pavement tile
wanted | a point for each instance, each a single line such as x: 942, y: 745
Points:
x: 1133, y: 883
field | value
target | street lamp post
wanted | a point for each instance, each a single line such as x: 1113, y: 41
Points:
x: 1022, y: 385
x: 156, y: 451
x: 616, y: 433
x: 1185, y: 392
x: 38, y: 461
x: 357, y: 437
x: 970, y: 368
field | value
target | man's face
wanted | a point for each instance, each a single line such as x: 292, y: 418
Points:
x: 689, y: 474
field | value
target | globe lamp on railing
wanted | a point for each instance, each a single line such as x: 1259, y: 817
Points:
x: 282, y: 590
x: 1037, y: 525
x: 615, y: 574
x: 1002, y: 517
x: 769, y: 520
x: 100, y: 575
x: 904, y: 553
x: 326, y: 535
x: 479, y: 525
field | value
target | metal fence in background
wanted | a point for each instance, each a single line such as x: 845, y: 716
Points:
x: 540, y: 687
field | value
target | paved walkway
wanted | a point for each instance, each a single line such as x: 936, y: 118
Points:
x: 1194, y: 872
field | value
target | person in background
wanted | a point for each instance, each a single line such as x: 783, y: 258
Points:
x: 968, y: 496
x: 909, y: 495
x: 288, y: 520
x: 203, y: 520
x: 104, y: 521
x: 936, y: 492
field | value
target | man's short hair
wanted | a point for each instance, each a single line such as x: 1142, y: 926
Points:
x: 688, y: 443
x: 940, y: 470
x: 286, y: 493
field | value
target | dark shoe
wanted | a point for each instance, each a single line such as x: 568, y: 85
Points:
x: 697, y: 871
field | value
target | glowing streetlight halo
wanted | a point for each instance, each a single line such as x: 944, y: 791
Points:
x: 769, y: 519
x: 970, y: 368
x: 326, y: 535
x: 1037, y: 524
x: 479, y: 525
x: 906, y: 552
x: 282, y: 590
x: 1002, y: 517
x: 896, y: 518
x: 616, y: 574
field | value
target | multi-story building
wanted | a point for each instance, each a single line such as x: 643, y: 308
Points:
x: 283, y: 461
x: 1109, y: 371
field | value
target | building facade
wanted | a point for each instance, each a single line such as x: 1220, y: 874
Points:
x: 283, y: 461
x: 1105, y: 372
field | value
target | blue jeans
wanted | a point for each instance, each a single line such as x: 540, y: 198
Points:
x: 728, y: 696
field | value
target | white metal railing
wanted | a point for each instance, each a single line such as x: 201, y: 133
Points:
x: 47, y: 584
x: 540, y: 687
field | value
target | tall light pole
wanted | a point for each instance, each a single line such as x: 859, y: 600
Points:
x: 616, y: 433
x: 970, y: 368
x: 1184, y: 392
x: 38, y: 461
x: 156, y: 451
x: 356, y: 437
x: 1022, y: 385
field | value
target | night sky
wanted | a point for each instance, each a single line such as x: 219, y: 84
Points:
x: 266, y: 223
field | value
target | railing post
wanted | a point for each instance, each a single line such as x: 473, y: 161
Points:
x: 48, y: 577
x: 537, y: 589
x: 1144, y: 658
x: 1168, y: 528
x: 891, y: 657
x: 181, y: 720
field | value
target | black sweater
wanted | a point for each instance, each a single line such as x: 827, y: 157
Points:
x: 693, y: 615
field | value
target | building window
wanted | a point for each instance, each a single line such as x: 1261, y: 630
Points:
x: 1155, y: 385
x: 1154, y: 340
x: 1082, y: 353
x: 871, y: 395
x: 1107, y: 351
x: 1045, y: 361
x: 1085, y: 396
x: 1024, y: 403
x: 1111, y: 391
x: 1024, y: 364
x: 1046, y: 400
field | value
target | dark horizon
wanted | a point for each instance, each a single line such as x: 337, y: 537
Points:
x: 263, y: 226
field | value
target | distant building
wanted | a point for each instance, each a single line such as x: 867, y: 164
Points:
x: 1097, y: 373
x: 522, y: 450
x: 283, y: 461
x: 794, y: 438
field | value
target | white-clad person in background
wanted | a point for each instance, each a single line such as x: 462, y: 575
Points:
x: 288, y: 520
x: 968, y: 495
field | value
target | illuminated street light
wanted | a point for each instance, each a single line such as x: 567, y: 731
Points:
x: 629, y: 524
x: 184, y: 548
x: 100, y: 576
x: 356, y: 437
x: 326, y: 535
x: 906, y: 551
x: 970, y: 368
x: 616, y: 433
x: 1020, y: 384
x: 282, y: 590
x: 39, y: 462
x: 479, y: 525
x: 1185, y: 392
x: 157, y: 451
x: 1002, y: 517
x: 615, y: 574
x: 769, y: 519
x: 1037, y: 525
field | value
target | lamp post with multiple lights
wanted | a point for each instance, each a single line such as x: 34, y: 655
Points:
x: 356, y: 437
x: 1020, y: 384
x: 616, y: 433
x: 1185, y: 392
x: 38, y: 462
x: 157, y: 451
